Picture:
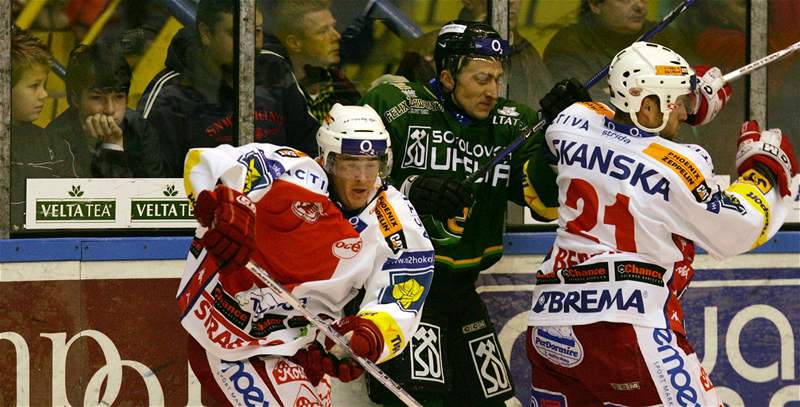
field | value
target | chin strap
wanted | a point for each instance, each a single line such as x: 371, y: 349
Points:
x: 649, y: 129
x: 449, y: 104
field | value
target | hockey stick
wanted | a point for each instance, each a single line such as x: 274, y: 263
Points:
x: 338, y: 339
x: 527, y: 132
x: 735, y: 74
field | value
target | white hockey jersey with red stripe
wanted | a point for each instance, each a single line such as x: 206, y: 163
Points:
x: 306, y: 244
x: 632, y: 205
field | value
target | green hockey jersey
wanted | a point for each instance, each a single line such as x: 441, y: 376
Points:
x: 429, y: 139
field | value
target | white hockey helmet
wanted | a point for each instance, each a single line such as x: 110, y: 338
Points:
x: 645, y: 69
x: 355, y: 131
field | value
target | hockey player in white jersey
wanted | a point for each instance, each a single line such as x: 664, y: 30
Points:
x: 279, y: 208
x: 606, y: 326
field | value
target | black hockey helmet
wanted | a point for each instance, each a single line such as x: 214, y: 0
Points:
x: 459, y: 38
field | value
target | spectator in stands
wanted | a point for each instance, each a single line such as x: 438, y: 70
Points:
x: 108, y: 139
x: 192, y: 101
x: 527, y: 76
x: 34, y: 153
x: 604, y: 27
x: 306, y: 31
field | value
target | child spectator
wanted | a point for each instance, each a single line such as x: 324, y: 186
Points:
x: 108, y: 139
x: 34, y: 154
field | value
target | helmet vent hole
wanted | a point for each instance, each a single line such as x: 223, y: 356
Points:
x: 626, y: 74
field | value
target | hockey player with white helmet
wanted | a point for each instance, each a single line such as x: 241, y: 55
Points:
x: 326, y: 235
x: 633, y: 204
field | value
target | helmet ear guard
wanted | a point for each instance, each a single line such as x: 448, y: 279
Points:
x: 647, y: 69
x: 355, y: 131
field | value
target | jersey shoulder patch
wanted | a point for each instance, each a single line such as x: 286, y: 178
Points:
x: 598, y: 108
x: 690, y: 173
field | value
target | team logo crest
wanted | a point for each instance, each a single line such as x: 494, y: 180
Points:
x: 407, y: 289
x: 489, y: 365
x: 310, y: 212
x: 416, y: 147
x: 426, y: 354
x: 260, y: 170
x: 508, y: 111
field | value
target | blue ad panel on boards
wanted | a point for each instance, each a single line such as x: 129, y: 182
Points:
x: 742, y: 316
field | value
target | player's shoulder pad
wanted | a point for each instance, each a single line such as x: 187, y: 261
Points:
x: 597, y: 107
x: 689, y: 163
x: 203, y: 168
x: 287, y: 164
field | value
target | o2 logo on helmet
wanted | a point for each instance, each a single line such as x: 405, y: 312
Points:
x: 497, y: 46
x: 346, y: 248
x: 366, y: 147
x: 309, y: 212
x: 245, y: 385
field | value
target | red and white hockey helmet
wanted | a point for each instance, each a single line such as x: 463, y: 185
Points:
x: 645, y: 69
x: 355, y: 131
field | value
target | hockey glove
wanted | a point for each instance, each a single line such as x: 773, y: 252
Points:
x: 231, y: 219
x: 562, y: 96
x: 769, y: 149
x: 365, y: 338
x: 316, y: 363
x: 710, y: 96
x: 440, y: 197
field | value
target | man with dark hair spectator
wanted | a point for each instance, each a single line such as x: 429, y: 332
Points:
x: 108, y: 139
x: 604, y: 27
x: 307, y: 33
x: 34, y: 154
x: 191, y: 102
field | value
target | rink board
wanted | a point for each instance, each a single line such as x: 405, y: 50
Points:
x: 94, y: 320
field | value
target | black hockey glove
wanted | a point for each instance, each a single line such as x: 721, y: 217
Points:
x: 440, y: 197
x: 562, y: 96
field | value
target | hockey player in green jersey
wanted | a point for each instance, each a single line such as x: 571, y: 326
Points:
x: 441, y: 133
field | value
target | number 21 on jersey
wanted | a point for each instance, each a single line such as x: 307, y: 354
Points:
x: 616, y: 215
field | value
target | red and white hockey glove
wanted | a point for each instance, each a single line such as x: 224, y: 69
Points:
x: 311, y: 358
x: 710, y: 96
x: 766, y: 148
x: 366, y: 341
x: 231, y: 219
